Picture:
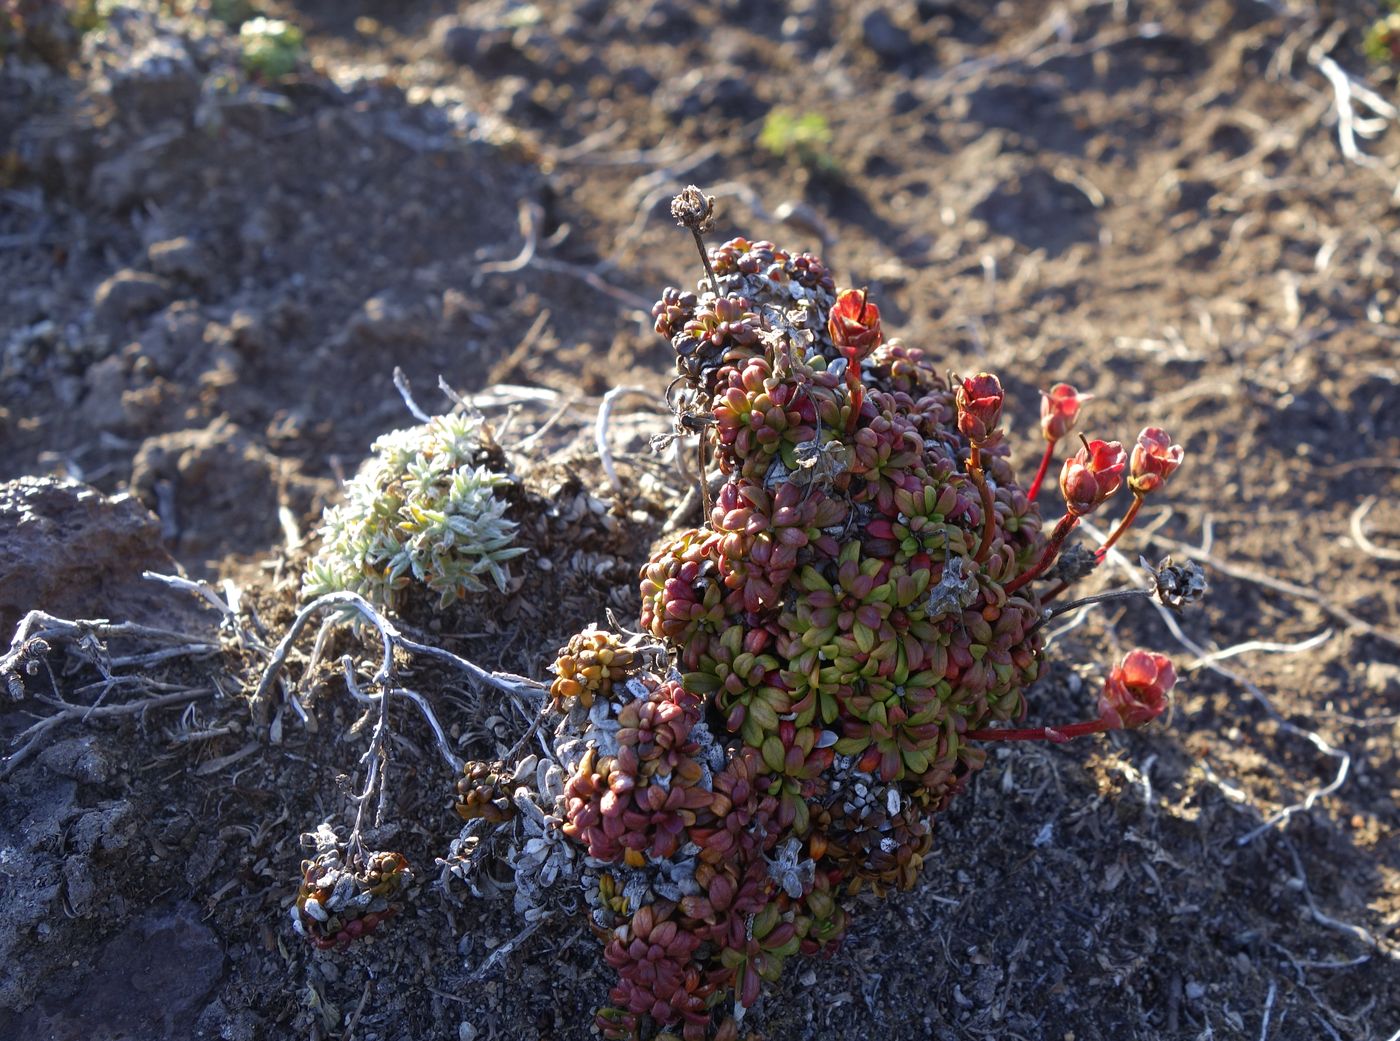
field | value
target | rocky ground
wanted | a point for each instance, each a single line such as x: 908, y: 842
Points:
x: 210, y: 277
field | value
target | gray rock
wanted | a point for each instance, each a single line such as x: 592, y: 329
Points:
x: 148, y: 981
x: 131, y: 176
x: 159, y: 81
x: 105, y: 383
x: 238, y: 1025
x: 73, y: 552
x: 173, y: 337
x: 203, y: 860
x: 108, y: 830
x: 79, y: 759
x: 719, y: 89
x: 79, y: 885
x: 129, y: 294
x: 486, y: 48
x: 179, y: 258
x: 891, y: 43
x: 217, y: 487
x: 251, y: 336
x: 33, y: 816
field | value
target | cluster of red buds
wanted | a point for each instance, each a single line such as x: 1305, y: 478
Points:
x: 343, y: 898
x: 856, y: 613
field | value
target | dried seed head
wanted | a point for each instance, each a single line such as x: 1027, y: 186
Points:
x: 1176, y: 585
x: 693, y: 209
x: 1076, y: 561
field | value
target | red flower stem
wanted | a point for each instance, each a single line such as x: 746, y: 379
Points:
x: 974, y: 469
x: 1045, y: 598
x: 1040, y: 474
x: 857, y: 401
x: 1052, y: 550
x: 1123, y: 525
x: 1059, y: 735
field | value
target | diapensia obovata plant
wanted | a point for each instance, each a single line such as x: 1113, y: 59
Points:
x: 819, y: 664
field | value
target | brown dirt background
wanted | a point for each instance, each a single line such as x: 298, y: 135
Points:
x: 1147, y: 200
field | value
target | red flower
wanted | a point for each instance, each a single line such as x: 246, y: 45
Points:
x: 854, y: 325
x: 1135, y: 693
x: 1059, y: 410
x: 1091, y: 475
x: 979, y: 401
x: 1155, y: 459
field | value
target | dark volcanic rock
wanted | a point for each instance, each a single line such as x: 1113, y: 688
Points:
x: 74, y: 552
x: 149, y: 981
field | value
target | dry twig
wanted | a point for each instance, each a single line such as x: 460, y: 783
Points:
x: 1207, y: 659
x: 34, y: 735
x: 600, y: 431
x: 1278, y: 585
x: 391, y: 639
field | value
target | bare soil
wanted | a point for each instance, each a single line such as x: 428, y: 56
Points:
x: 206, y: 294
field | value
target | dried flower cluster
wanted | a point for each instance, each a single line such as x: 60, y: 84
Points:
x: 425, y: 507
x: 843, y: 631
x: 345, y: 896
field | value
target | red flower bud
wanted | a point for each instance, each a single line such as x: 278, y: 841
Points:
x: 979, y: 406
x: 1059, y: 410
x: 854, y: 324
x: 1135, y: 692
x: 1091, y: 475
x: 1155, y: 459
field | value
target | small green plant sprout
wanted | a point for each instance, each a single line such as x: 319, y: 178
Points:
x: 271, y: 47
x: 803, y: 137
x: 1382, y: 43
x: 425, y: 507
x: 233, y: 12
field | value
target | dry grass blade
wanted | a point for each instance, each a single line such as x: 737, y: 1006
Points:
x: 1358, y: 532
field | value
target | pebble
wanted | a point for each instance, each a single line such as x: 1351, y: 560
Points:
x: 79, y: 885
x: 129, y: 294
x: 179, y: 258
x: 79, y: 759
x: 884, y: 37
x: 1383, y: 678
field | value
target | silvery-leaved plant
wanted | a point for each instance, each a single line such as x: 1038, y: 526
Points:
x: 424, y: 507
